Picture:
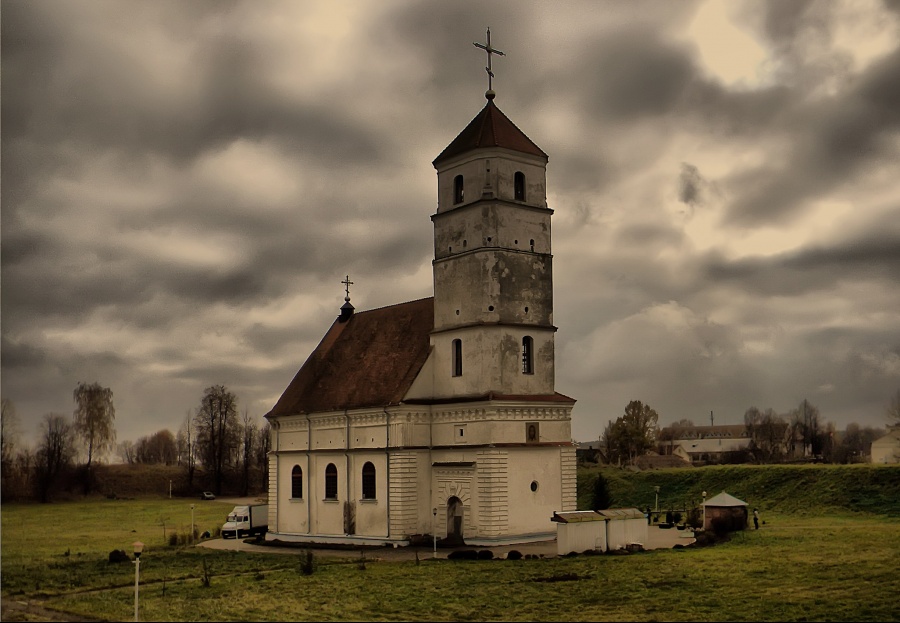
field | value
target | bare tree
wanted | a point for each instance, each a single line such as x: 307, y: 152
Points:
x: 807, y: 421
x: 855, y: 444
x: 160, y: 447
x: 10, y: 477
x: 248, y: 437
x: 126, y: 451
x: 55, y: 452
x: 9, y: 434
x: 261, y: 453
x: 186, y: 444
x: 93, y: 422
x: 766, y: 430
x: 893, y: 409
x: 217, y: 431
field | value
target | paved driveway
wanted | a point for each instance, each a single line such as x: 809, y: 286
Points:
x: 657, y: 538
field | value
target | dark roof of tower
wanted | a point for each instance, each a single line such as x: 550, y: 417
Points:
x: 369, y: 360
x: 490, y: 128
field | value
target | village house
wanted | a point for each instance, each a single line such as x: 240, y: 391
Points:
x: 439, y: 416
x: 703, y: 445
x: 886, y: 449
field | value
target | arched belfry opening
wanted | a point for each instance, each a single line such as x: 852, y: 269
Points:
x: 519, y: 186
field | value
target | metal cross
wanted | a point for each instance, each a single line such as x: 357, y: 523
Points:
x: 487, y: 48
x: 347, y: 283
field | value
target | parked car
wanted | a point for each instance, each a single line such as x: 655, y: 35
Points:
x: 207, y: 495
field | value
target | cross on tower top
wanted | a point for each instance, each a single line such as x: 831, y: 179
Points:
x: 490, y: 50
x: 347, y: 283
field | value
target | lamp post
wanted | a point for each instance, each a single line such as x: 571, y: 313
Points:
x: 657, y: 498
x: 704, y: 510
x: 192, y: 523
x: 138, y: 548
x: 434, y: 529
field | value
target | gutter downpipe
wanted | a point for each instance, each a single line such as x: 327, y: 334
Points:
x: 431, y: 470
x: 347, y: 454
x: 387, y: 456
x: 309, y: 480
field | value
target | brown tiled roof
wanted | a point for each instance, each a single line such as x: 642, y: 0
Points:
x: 368, y: 361
x: 490, y: 128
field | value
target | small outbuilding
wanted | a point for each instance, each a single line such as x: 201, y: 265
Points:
x: 724, y: 511
x: 615, y: 528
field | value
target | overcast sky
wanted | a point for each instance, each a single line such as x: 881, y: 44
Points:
x: 185, y: 185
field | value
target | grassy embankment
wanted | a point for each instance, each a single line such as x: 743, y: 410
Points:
x: 828, y: 551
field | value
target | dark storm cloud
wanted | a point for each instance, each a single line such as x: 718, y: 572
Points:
x: 784, y: 19
x: 835, y: 139
x: 690, y: 185
x: 875, y: 257
x: 75, y: 88
x: 650, y: 235
x: 634, y: 73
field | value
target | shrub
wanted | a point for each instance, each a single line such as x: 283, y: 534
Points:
x: 600, y: 498
x: 514, y: 554
x: 463, y: 554
x: 485, y: 554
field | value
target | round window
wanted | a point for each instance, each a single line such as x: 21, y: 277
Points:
x: 534, y: 485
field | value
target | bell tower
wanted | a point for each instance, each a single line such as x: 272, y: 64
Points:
x: 493, y: 283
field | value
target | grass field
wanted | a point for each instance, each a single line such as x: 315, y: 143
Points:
x: 815, y: 566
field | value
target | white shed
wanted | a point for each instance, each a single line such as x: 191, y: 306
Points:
x: 615, y: 528
x: 624, y: 526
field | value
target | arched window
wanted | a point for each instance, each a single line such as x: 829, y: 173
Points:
x: 457, y: 357
x: 368, y: 481
x: 331, y: 482
x: 527, y: 355
x: 458, y: 189
x: 519, y: 186
x: 297, y: 482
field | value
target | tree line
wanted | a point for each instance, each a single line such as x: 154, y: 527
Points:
x: 215, y: 443
x: 799, y: 433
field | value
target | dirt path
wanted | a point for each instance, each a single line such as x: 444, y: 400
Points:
x: 21, y: 610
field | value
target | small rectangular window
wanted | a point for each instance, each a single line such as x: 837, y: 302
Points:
x: 457, y: 357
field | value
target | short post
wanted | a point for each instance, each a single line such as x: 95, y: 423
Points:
x: 434, y: 529
x: 138, y: 548
x: 657, y: 499
x: 192, y: 523
x: 170, y: 489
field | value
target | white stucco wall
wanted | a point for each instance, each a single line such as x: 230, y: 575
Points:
x: 492, y: 170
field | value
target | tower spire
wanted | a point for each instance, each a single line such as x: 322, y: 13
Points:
x: 489, y: 94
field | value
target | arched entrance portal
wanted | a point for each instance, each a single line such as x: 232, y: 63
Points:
x: 455, y: 519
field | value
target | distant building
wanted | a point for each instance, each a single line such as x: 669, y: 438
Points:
x: 702, y: 445
x: 886, y: 450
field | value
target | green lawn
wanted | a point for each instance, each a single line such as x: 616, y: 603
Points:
x: 800, y: 566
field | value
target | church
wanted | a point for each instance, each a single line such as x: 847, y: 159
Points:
x: 440, y: 416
